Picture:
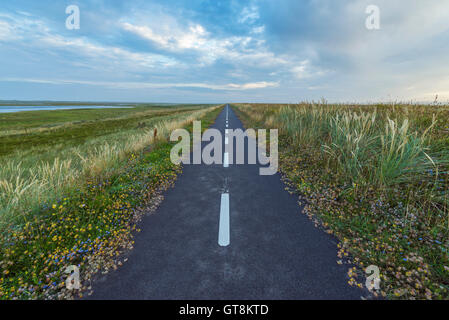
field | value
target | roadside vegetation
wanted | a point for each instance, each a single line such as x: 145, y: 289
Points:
x: 376, y: 176
x: 76, y: 197
x: 44, y: 154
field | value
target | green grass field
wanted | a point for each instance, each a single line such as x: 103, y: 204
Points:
x: 23, y: 130
x: 376, y: 176
x: 73, y: 191
x: 43, y: 153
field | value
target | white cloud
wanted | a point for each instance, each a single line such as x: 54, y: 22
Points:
x: 22, y: 25
x: 24, y: 13
x: 258, y: 30
x: 407, y: 51
x: 193, y: 39
x: 7, y: 32
x: 253, y: 85
x: 249, y: 15
x: 305, y: 70
x: 113, y: 54
x: 39, y: 35
x: 171, y: 37
x: 175, y: 38
x: 148, y: 85
x: 301, y: 71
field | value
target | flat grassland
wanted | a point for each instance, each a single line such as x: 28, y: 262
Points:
x: 376, y: 176
x: 73, y: 185
x: 43, y: 152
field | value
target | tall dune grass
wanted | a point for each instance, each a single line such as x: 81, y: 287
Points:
x: 28, y: 179
x: 372, y: 147
x: 380, y: 147
x: 376, y: 176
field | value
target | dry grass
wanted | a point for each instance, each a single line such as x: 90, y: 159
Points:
x: 27, y: 181
x: 377, y: 177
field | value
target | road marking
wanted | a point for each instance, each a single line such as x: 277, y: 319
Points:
x: 224, y: 228
x: 226, y: 131
x: 226, y: 140
x: 226, y: 160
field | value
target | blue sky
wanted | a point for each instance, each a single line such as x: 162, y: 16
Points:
x: 224, y: 51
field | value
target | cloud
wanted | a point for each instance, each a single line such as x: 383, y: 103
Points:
x: 249, y: 15
x: 301, y: 70
x: 174, y: 40
x: 38, y: 34
x: 7, y: 32
x: 287, y: 50
x: 254, y: 85
x: 305, y: 70
x: 351, y: 62
x: 258, y: 30
x: 112, y: 54
x: 195, y: 38
x: 147, y: 85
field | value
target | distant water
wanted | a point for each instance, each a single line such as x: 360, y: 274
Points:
x: 10, y: 109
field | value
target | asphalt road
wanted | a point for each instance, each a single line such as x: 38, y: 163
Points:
x: 273, y: 251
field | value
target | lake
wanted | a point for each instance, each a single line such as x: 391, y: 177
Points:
x: 10, y: 109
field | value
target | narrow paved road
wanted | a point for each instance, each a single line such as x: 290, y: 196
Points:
x: 272, y: 251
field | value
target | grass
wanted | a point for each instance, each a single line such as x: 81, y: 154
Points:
x: 85, y: 215
x: 21, y: 130
x: 46, y: 161
x: 376, y: 177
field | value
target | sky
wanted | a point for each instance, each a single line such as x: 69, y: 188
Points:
x: 216, y: 51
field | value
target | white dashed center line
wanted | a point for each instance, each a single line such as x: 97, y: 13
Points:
x: 224, y: 228
x: 224, y: 225
x: 226, y: 160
